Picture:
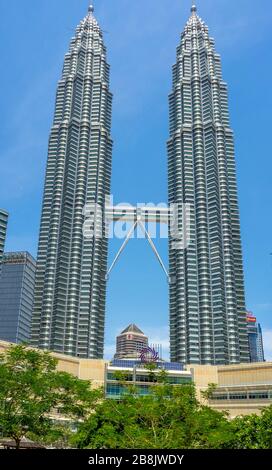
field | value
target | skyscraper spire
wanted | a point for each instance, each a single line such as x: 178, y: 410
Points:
x: 207, y: 302
x: 193, y: 7
x: 70, y: 290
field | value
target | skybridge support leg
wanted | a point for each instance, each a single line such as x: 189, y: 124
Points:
x: 129, y: 235
x: 154, y: 248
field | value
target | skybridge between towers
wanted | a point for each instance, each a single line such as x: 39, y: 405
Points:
x: 139, y: 217
x: 146, y: 214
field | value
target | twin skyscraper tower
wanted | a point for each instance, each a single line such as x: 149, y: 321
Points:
x: 207, y: 302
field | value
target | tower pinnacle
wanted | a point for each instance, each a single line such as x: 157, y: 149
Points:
x: 207, y: 301
x: 193, y: 8
x: 82, y: 275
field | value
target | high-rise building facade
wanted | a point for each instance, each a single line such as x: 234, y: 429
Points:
x: 69, y: 307
x: 255, y: 338
x: 260, y: 345
x: 207, y: 304
x: 16, y: 296
x: 3, y: 231
x: 130, y: 343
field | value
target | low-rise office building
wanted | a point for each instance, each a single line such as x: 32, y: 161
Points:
x: 16, y: 296
x: 240, y: 388
x: 120, y: 374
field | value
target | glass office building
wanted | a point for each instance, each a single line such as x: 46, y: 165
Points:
x: 260, y: 346
x: 207, y: 302
x: 16, y: 296
x: 3, y: 231
x: 70, y: 290
x: 121, y: 375
x: 255, y: 338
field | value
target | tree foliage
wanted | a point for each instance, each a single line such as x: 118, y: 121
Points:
x: 169, y: 418
x: 252, y: 431
x: 208, y: 394
x: 31, y: 389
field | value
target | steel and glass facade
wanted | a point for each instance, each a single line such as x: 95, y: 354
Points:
x: 70, y: 289
x: 3, y: 231
x: 260, y: 346
x: 255, y: 339
x: 16, y: 296
x: 207, y: 303
x: 122, y: 374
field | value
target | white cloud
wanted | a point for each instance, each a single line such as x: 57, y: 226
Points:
x: 267, y: 338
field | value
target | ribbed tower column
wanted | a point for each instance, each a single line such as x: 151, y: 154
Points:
x: 207, y: 304
x: 70, y: 287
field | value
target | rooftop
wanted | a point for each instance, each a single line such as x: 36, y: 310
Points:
x: 132, y: 328
x: 18, y: 257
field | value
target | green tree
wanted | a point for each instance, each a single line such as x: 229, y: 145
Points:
x: 169, y: 418
x: 208, y: 394
x: 122, y: 376
x: 244, y: 430
x: 31, y: 389
x: 252, y: 431
x: 151, y: 368
x: 265, y: 429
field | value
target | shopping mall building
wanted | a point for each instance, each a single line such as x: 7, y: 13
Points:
x: 241, y: 388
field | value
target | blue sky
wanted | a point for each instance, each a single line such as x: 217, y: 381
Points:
x: 141, y: 38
